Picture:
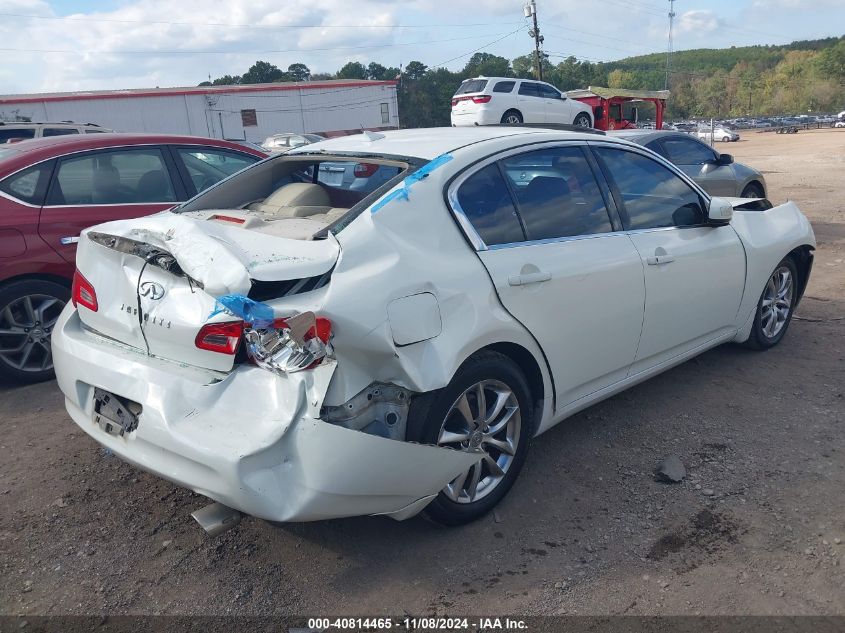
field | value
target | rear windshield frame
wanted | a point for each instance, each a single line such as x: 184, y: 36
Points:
x: 407, y: 165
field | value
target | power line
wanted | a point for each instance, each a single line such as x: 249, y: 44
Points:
x: 479, y: 48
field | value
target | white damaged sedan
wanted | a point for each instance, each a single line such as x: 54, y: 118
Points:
x: 297, y: 351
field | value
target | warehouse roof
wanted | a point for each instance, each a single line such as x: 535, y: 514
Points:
x: 191, y: 90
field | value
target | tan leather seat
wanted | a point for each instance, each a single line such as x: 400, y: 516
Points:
x: 297, y: 199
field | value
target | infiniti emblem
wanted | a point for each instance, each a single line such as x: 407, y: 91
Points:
x: 151, y: 290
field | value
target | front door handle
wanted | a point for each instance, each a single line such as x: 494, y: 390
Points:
x: 660, y: 257
x: 528, y: 278
x: 71, y: 239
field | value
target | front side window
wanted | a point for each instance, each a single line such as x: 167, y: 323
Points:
x: 683, y: 151
x: 487, y: 204
x: 113, y: 177
x: 29, y: 184
x: 652, y: 196
x: 548, y: 92
x: 557, y: 193
x: 528, y: 89
x: 207, y: 167
x: 59, y: 131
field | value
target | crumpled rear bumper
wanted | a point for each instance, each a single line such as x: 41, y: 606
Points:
x: 249, y: 439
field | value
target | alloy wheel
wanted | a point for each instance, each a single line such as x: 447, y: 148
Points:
x: 25, y: 328
x: 484, y: 419
x: 777, y: 302
x: 512, y: 119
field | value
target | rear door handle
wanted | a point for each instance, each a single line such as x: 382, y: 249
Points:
x: 658, y: 260
x: 528, y: 278
x: 69, y: 240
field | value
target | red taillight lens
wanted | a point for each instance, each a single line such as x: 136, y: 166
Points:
x: 322, y: 328
x: 220, y: 337
x: 82, y: 293
x: 364, y: 170
x: 481, y: 99
x: 455, y: 102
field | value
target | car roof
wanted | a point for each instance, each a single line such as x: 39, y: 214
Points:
x: 428, y: 143
x: 35, y: 150
x: 644, y: 136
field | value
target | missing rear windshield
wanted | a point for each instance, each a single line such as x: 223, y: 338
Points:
x: 328, y: 191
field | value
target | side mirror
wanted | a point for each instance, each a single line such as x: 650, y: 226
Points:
x: 719, y: 211
x: 725, y: 159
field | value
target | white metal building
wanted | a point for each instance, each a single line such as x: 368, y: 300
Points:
x: 250, y: 112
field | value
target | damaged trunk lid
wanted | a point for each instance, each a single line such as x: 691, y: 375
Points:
x: 157, y: 279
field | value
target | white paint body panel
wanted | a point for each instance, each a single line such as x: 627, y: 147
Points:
x: 253, y: 440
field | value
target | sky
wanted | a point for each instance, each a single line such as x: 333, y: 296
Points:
x: 69, y: 45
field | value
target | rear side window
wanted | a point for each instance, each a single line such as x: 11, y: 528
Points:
x: 59, y: 131
x: 528, y: 89
x: 30, y: 184
x: 504, y: 86
x: 472, y: 85
x: 486, y: 202
x: 113, y: 177
x: 652, y: 195
x: 557, y: 194
x: 7, y: 134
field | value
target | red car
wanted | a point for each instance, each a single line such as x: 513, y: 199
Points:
x: 52, y: 188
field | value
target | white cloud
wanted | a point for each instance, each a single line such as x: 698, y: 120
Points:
x: 698, y: 21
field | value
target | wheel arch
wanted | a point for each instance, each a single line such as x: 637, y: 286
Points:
x: 515, y: 110
x: 803, y: 258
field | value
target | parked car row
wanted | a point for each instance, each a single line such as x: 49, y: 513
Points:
x: 16, y: 132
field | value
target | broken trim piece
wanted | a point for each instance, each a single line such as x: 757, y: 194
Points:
x: 381, y: 409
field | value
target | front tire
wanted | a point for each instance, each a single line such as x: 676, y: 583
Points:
x: 582, y: 120
x: 28, y: 312
x: 512, y: 117
x: 486, y: 408
x: 775, y: 307
x: 752, y: 190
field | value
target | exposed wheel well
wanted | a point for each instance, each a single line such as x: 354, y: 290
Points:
x: 803, y: 258
x: 528, y: 364
x: 755, y: 183
x: 63, y: 281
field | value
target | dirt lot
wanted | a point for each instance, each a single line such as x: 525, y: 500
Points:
x: 758, y: 527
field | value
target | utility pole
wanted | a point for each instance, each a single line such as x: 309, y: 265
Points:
x: 530, y: 11
x: 669, y: 50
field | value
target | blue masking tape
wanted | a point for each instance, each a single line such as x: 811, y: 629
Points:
x: 422, y: 172
x: 254, y: 313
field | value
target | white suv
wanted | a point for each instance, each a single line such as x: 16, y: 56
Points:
x: 21, y: 131
x: 491, y: 100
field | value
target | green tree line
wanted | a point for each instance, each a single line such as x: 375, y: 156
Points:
x: 805, y: 76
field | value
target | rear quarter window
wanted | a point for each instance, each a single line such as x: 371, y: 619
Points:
x: 30, y: 184
x: 485, y: 201
x: 504, y: 86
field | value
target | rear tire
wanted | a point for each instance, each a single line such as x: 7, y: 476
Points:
x: 775, y: 307
x: 28, y: 312
x: 582, y: 120
x: 501, y: 429
x: 512, y: 117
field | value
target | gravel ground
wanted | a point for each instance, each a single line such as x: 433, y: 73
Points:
x: 758, y: 526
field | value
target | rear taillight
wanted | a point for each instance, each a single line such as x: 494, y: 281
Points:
x: 455, y: 102
x: 82, y: 293
x: 290, y: 345
x: 364, y: 170
x: 482, y: 98
x: 220, y: 337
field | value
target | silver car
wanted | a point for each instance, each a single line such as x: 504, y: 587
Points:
x: 716, y: 173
